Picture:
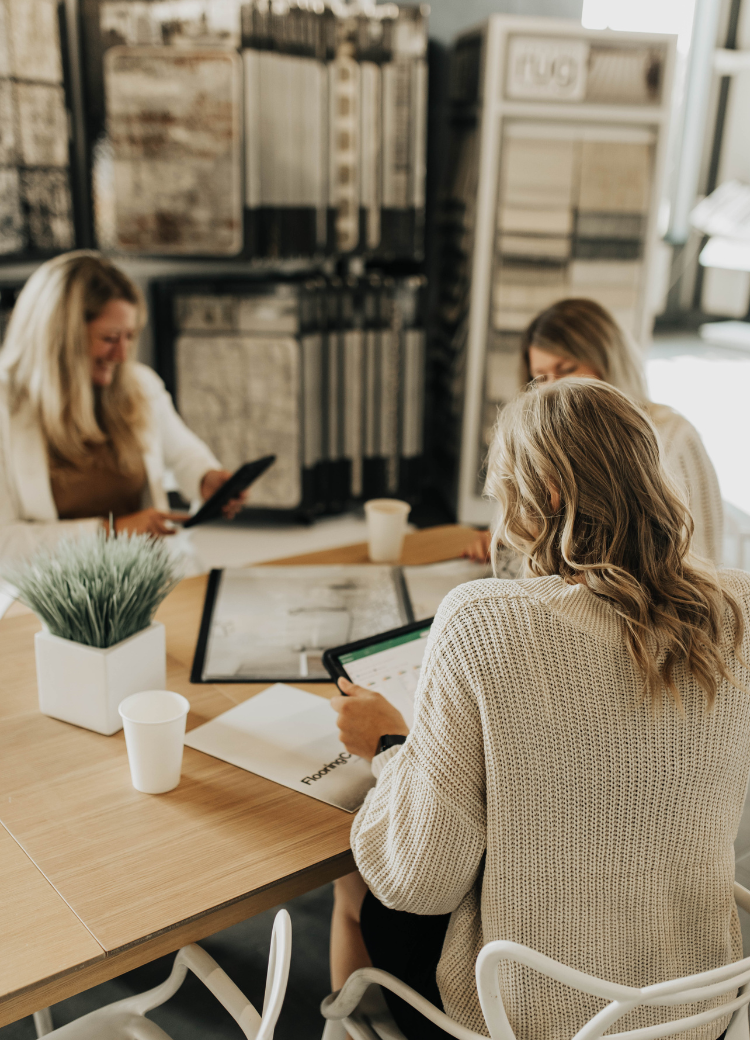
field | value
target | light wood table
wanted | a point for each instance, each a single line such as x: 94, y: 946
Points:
x: 100, y: 878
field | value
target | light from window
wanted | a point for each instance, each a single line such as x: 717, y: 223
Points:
x: 653, y: 16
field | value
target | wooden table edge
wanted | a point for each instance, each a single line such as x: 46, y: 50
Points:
x: 112, y: 963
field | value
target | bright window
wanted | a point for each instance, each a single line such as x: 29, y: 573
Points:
x: 657, y: 16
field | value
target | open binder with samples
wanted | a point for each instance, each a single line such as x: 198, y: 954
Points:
x: 274, y: 623
x: 325, y: 373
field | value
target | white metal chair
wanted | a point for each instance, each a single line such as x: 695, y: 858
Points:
x: 124, y: 1020
x: 360, y: 1010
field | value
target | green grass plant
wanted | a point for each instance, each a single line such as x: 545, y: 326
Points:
x: 98, y: 589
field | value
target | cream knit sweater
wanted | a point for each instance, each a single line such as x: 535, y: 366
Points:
x: 536, y: 799
x: 687, y: 461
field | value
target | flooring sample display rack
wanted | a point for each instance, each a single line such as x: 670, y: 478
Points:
x: 245, y: 127
x: 325, y: 373
x: 559, y: 138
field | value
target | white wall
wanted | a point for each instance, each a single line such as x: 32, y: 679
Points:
x: 449, y: 17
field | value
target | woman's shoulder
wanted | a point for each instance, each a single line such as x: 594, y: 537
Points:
x: 489, y: 598
x: 736, y: 582
x: 150, y: 383
x: 671, y: 425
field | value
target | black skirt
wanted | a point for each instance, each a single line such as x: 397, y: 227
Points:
x: 408, y: 946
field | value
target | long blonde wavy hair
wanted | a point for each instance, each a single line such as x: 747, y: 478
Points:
x: 585, y: 331
x: 45, y: 360
x: 621, y: 525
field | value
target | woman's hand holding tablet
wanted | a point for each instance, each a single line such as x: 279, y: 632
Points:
x: 389, y: 665
x: 364, y: 716
x: 227, y: 491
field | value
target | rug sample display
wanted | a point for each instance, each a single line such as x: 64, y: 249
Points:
x: 173, y: 121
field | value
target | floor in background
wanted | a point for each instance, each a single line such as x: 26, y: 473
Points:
x: 242, y: 951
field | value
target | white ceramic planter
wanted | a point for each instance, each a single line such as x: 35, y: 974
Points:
x: 84, y: 685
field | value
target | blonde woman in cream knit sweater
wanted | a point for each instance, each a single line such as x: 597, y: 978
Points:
x: 577, y: 767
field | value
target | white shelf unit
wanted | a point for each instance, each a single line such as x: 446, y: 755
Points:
x: 570, y: 142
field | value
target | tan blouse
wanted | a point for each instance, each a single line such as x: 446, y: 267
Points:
x: 97, y: 488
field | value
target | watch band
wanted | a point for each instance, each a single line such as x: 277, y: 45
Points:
x: 389, y: 740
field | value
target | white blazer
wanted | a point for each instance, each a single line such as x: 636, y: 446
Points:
x: 28, y: 517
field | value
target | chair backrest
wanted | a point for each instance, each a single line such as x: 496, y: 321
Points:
x: 622, y: 999
x: 255, y: 1026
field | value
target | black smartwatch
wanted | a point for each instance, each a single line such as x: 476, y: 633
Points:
x: 390, y: 740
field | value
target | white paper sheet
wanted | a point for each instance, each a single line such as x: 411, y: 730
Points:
x: 289, y: 736
x: 430, y: 583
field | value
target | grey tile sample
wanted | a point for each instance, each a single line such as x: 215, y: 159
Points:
x: 610, y: 225
x: 42, y: 125
x: 46, y: 194
x: 241, y: 395
x: 33, y: 39
x: 8, y: 144
x: 5, y: 59
x: 12, y: 225
x: 35, y: 198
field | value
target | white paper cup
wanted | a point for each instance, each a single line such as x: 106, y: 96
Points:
x: 386, y: 527
x: 154, y: 724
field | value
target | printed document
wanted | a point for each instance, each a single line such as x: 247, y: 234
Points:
x: 289, y: 736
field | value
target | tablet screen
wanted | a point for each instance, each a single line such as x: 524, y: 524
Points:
x: 391, y: 667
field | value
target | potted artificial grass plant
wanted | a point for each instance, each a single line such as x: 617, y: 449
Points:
x: 96, y: 597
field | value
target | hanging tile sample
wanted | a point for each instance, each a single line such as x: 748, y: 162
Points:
x: 241, y: 394
x: 35, y: 200
x: 173, y: 122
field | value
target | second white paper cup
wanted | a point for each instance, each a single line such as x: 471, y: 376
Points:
x: 386, y: 527
x: 154, y: 724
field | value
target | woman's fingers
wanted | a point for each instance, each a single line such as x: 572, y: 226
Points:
x: 150, y: 521
x: 233, y: 507
x: 479, y: 549
x: 364, y: 716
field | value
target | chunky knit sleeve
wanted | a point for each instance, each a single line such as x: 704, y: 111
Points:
x: 420, y: 836
x: 687, y: 461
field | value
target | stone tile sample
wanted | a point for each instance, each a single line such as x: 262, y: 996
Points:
x: 241, y: 395
x: 173, y: 122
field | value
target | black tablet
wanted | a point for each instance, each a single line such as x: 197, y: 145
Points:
x: 389, y: 663
x: 243, y: 478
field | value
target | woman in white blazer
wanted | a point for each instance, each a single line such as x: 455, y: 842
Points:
x: 86, y: 433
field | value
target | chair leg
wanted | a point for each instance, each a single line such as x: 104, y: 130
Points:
x: 43, y: 1022
x: 334, y: 1030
